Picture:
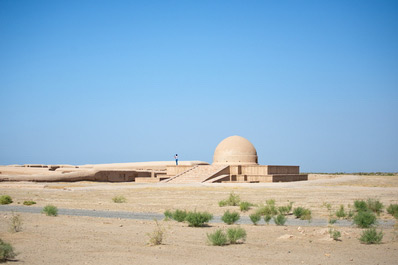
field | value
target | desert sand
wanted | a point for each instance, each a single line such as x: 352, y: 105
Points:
x: 93, y: 240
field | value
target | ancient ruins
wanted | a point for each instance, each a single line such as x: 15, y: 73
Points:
x: 235, y: 161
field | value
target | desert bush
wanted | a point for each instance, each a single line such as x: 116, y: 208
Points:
x: 179, y: 215
x: 168, y: 215
x: 15, y: 223
x: 230, y: 218
x: 267, y: 218
x: 371, y: 236
x: 335, y: 234
x: 119, y: 199
x: 393, y: 210
x: 157, y: 236
x: 365, y: 219
x: 375, y: 205
x: 236, y: 234
x: 270, y: 202
x: 280, y: 219
x: 222, y: 203
x: 218, y: 238
x: 50, y: 210
x: 198, y: 219
x: 360, y: 205
x: 267, y: 210
x: 341, y: 213
x: 5, y: 199
x: 283, y: 210
x: 245, y: 206
x: 332, y: 221
x: 233, y: 200
x: 28, y: 203
x: 6, y: 251
x: 255, y: 218
x: 302, y: 213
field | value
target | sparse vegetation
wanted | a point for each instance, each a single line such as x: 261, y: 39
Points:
x: 119, y: 199
x: 168, y: 215
x: 28, y: 203
x: 371, y: 236
x: 179, y: 215
x: 218, y: 238
x: 267, y: 218
x: 375, y: 205
x: 268, y: 209
x: 6, y: 251
x: 393, y: 210
x: 335, y: 234
x: 255, y: 218
x: 332, y: 221
x: 341, y: 212
x: 50, y: 210
x: 302, y: 213
x: 5, y: 199
x: 245, y: 206
x: 365, y: 219
x: 15, y: 223
x: 280, y: 219
x: 198, y: 219
x: 236, y: 234
x: 157, y: 236
x: 230, y: 217
x: 360, y: 206
x: 233, y: 200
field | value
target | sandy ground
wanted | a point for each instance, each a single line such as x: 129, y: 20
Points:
x: 89, y: 240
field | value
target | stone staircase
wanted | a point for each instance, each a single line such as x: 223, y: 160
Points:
x: 198, y: 174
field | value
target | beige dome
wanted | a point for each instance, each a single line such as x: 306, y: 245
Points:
x: 235, y: 150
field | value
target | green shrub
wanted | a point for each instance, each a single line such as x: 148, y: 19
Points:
x: 15, y: 223
x: 360, y: 206
x: 302, y: 213
x: 335, y: 234
x: 255, y: 218
x: 233, y: 200
x: 375, y: 205
x: 393, y: 210
x: 270, y: 202
x: 332, y: 221
x: 267, y: 210
x: 280, y: 219
x: 267, y: 218
x: 222, y: 203
x: 168, y: 215
x: 283, y: 210
x: 119, y: 199
x: 236, y: 234
x: 341, y: 213
x: 5, y: 199
x: 157, y: 236
x: 245, y: 206
x: 371, y: 236
x: 50, y: 210
x: 230, y: 218
x: 218, y: 238
x: 6, y: 251
x: 179, y: 215
x: 198, y: 219
x: 365, y: 219
x: 28, y: 203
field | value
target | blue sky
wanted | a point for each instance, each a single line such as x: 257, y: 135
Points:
x: 309, y: 83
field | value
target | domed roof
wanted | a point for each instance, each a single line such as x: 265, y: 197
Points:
x: 235, y: 150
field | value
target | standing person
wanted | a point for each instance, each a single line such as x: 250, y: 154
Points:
x: 176, y: 158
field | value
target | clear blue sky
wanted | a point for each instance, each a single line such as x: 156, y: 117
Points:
x: 309, y: 83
